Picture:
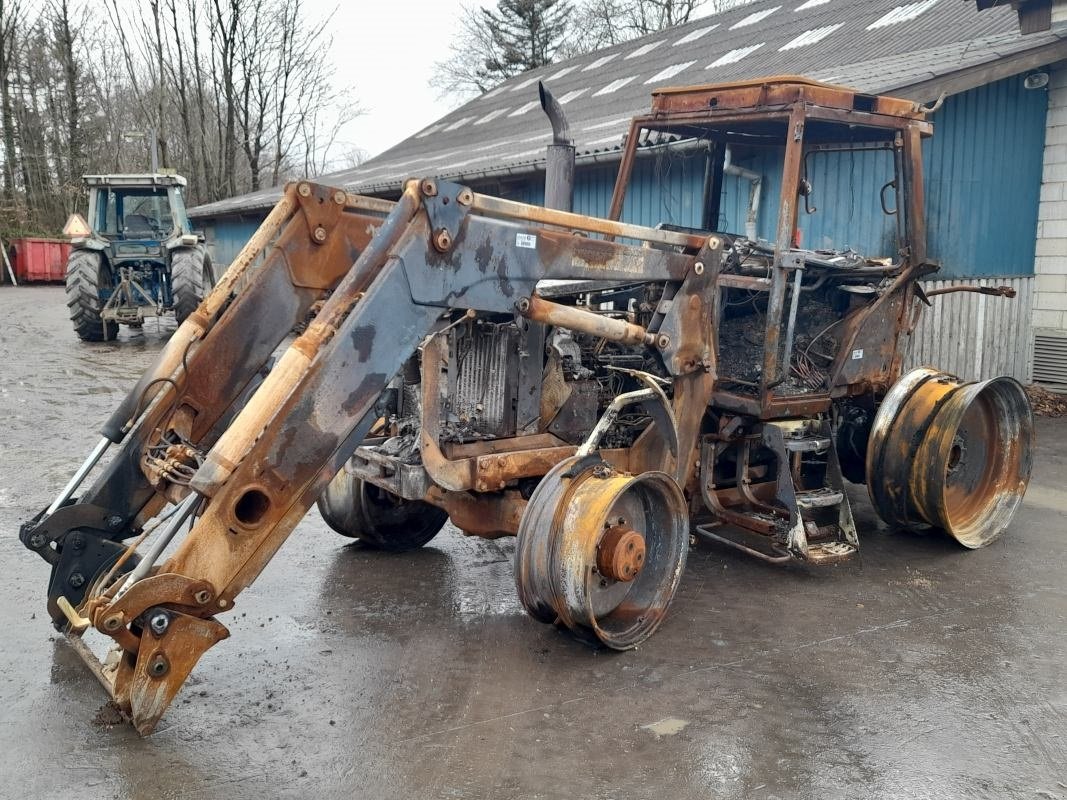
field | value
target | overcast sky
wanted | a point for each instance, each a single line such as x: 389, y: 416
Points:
x: 385, y: 50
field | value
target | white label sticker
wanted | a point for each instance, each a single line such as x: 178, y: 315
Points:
x: 857, y: 354
x: 527, y: 240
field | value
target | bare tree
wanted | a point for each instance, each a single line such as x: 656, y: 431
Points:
x: 236, y: 93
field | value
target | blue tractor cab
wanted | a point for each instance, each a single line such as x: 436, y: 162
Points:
x: 136, y: 256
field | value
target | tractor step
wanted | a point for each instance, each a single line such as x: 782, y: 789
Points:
x: 824, y: 497
x: 830, y: 552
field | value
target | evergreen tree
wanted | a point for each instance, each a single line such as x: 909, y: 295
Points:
x: 525, y: 34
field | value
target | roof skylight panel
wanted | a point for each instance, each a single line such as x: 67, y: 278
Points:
x: 565, y: 71
x: 810, y: 4
x: 491, y: 116
x: 524, y: 84
x: 614, y: 86
x: 617, y: 138
x: 902, y: 14
x: 524, y: 108
x: 735, y: 55
x: 572, y: 95
x: 669, y: 72
x: 609, y: 124
x: 692, y: 36
x: 600, y: 62
x: 754, y: 17
x: 810, y: 37
x: 431, y: 130
x: 645, y: 49
x: 459, y: 123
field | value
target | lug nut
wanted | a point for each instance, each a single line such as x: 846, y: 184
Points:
x: 428, y: 188
x: 77, y: 541
x: 663, y: 341
x: 340, y: 197
x: 698, y: 268
x: 37, y: 541
x: 304, y: 190
x: 112, y: 623
x: 159, y: 623
x: 76, y: 580
x: 465, y: 197
x: 203, y: 597
x: 320, y: 234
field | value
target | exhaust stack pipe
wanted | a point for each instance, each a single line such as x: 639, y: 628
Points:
x: 559, y: 168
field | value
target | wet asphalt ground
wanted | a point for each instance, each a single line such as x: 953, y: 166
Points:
x: 919, y: 670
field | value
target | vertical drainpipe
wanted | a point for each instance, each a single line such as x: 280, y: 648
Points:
x: 559, y: 167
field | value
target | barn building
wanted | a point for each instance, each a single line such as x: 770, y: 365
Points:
x: 996, y: 167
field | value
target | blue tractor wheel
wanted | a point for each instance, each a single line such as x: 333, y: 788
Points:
x: 191, y: 278
x: 89, y: 281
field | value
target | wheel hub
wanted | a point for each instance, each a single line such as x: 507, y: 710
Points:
x: 621, y: 553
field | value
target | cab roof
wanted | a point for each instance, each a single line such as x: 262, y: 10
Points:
x: 134, y: 180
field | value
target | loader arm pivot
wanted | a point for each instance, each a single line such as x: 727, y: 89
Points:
x: 242, y: 457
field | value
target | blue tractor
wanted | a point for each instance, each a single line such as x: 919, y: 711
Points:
x: 136, y: 256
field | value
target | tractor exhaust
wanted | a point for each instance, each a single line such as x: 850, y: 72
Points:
x: 559, y: 166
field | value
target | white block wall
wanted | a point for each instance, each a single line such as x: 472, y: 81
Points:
x: 1050, y: 265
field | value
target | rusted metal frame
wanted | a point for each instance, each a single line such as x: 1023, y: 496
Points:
x: 707, y: 532
x: 714, y: 171
x: 994, y: 291
x: 710, y: 494
x: 209, y: 385
x: 626, y: 167
x: 690, y: 353
x: 914, y: 191
x: 781, y: 90
x: 295, y: 364
x: 489, y: 516
x: 787, y: 221
x: 576, y: 319
x: 744, y: 480
x: 498, y: 208
x: 293, y: 452
x: 178, y: 347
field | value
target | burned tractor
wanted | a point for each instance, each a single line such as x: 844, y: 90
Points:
x: 598, y: 389
x: 136, y: 256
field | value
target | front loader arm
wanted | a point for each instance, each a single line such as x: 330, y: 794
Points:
x: 440, y: 248
x: 210, y: 363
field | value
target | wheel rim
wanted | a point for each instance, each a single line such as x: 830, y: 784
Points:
x: 602, y: 552
x: 951, y: 454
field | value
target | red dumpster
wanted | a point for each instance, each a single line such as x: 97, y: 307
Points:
x: 39, y: 260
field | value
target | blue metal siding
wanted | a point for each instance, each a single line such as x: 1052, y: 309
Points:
x: 983, y: 180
